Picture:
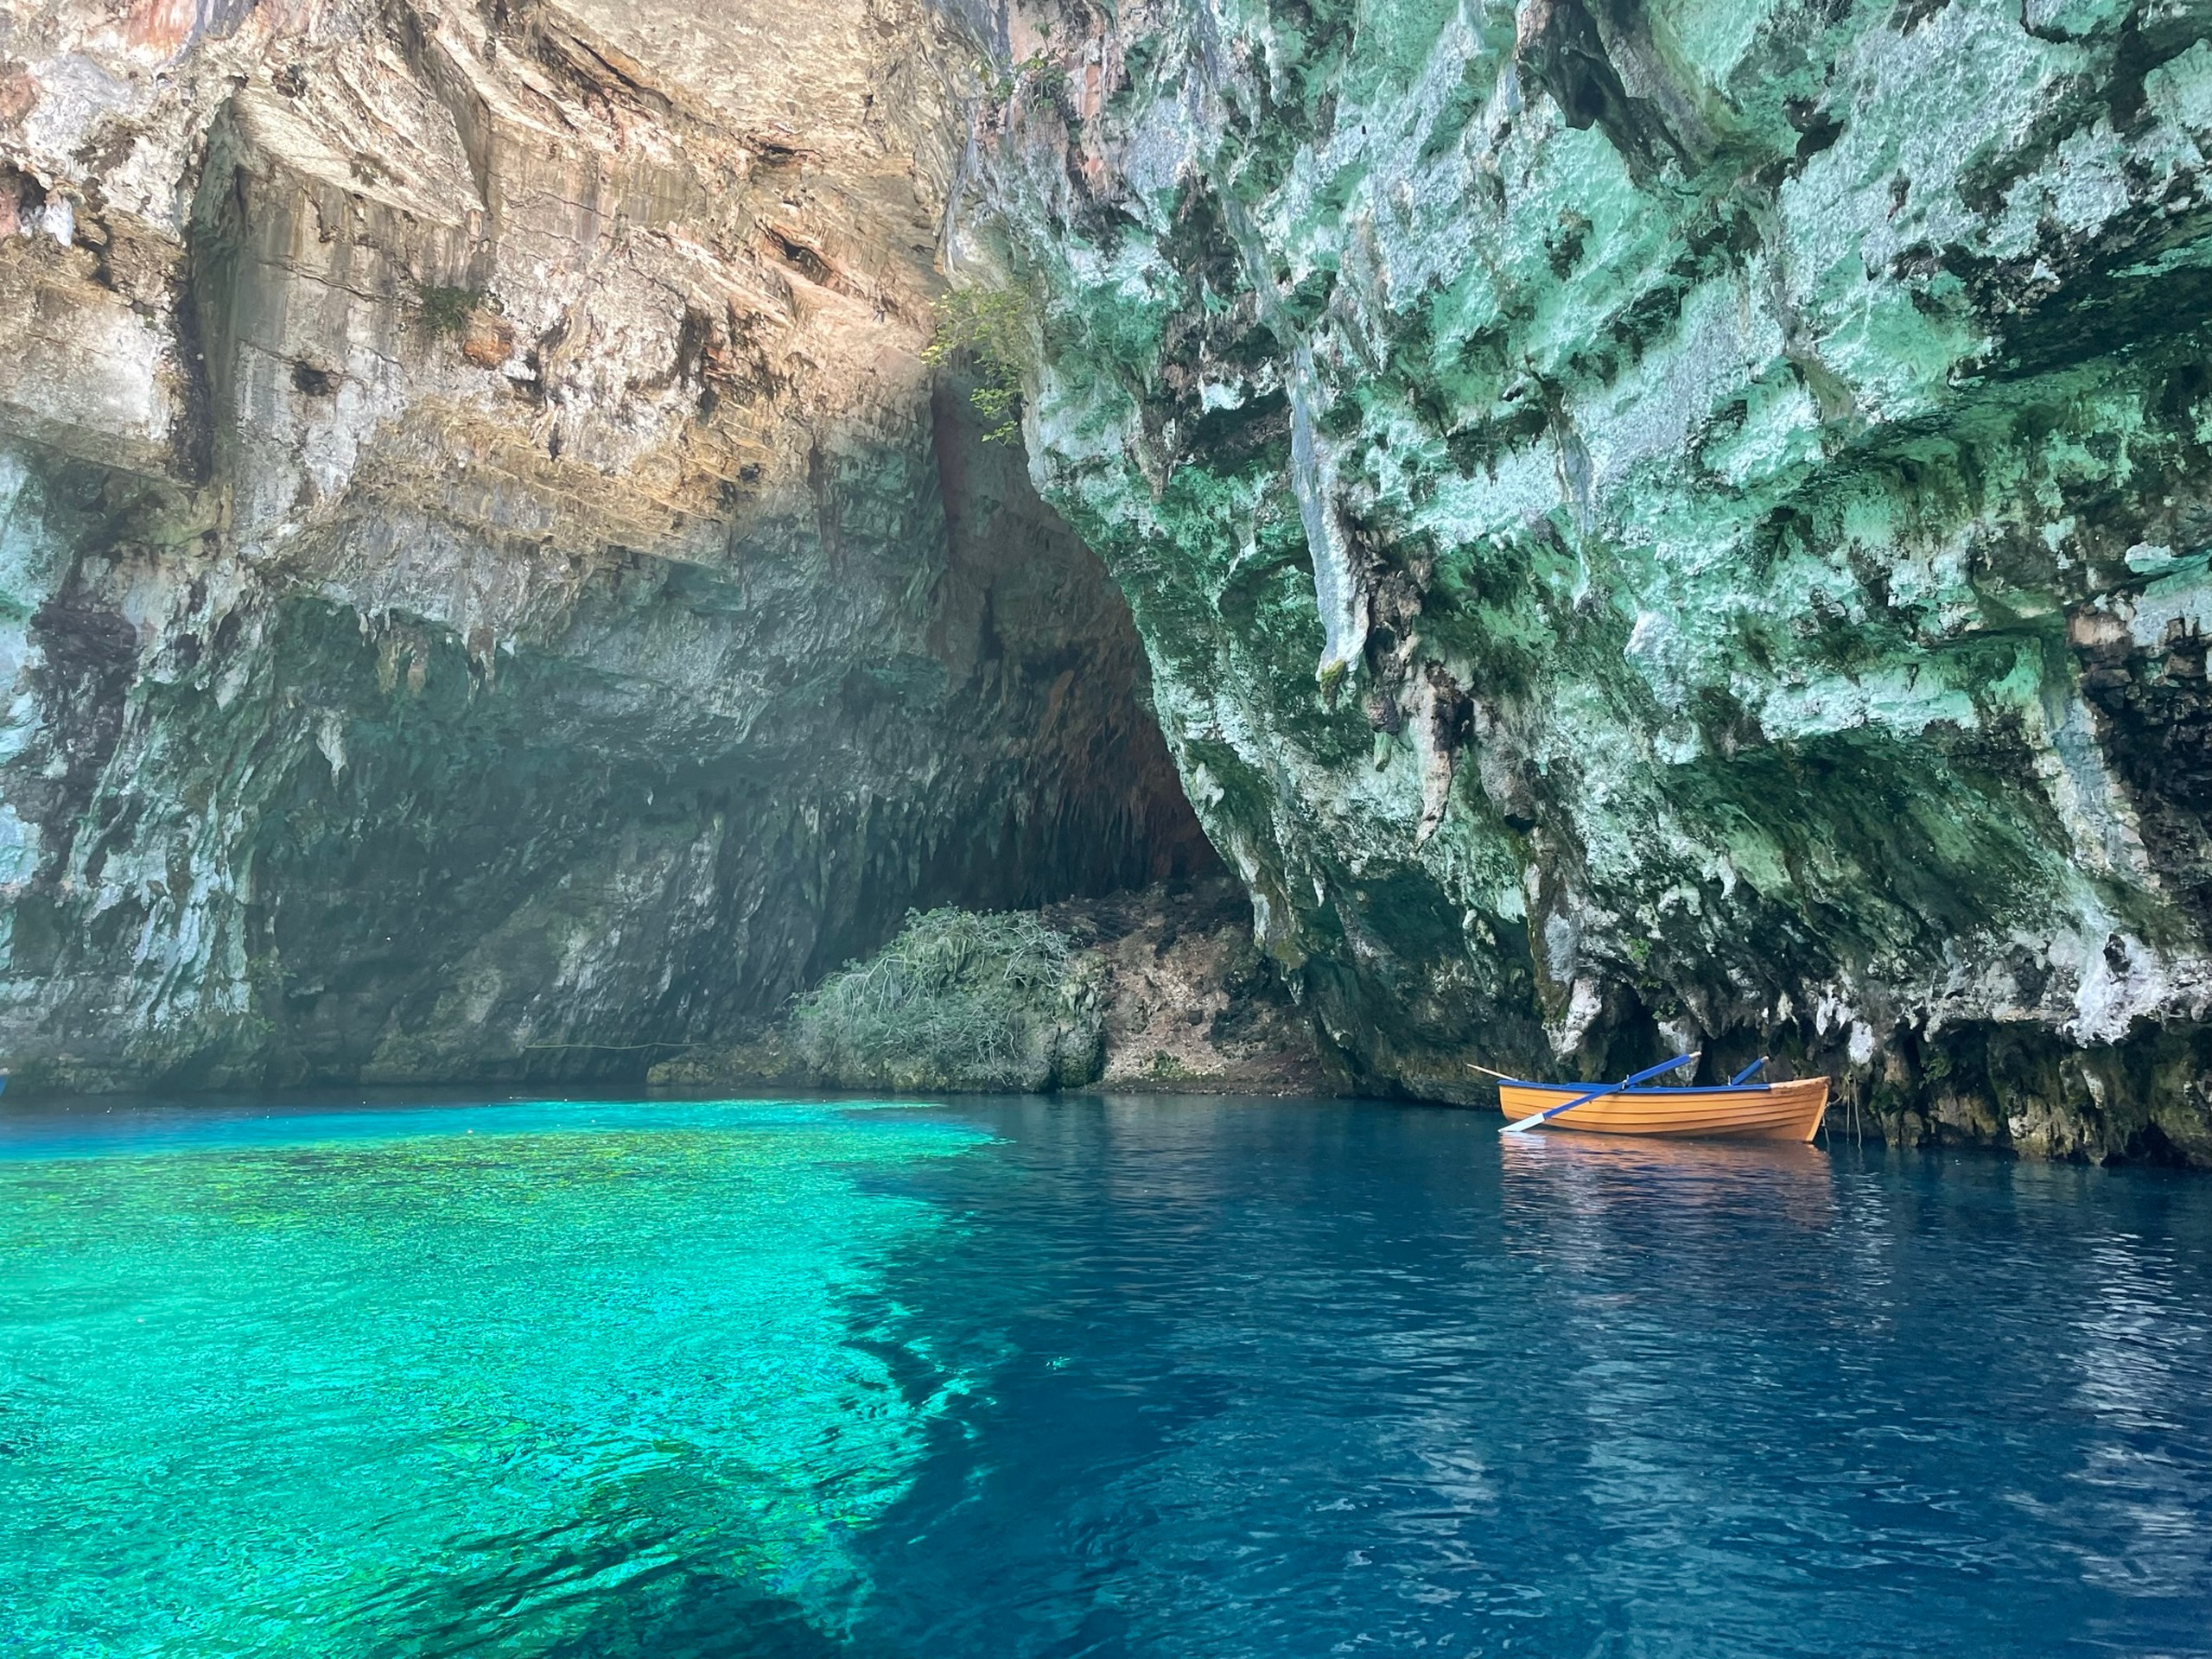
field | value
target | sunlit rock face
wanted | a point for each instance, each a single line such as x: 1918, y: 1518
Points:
x: 1664, y: 526
x: 487, y: 585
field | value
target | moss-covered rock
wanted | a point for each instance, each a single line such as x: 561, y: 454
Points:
x: 958, y: 999
x: 1673, y: 523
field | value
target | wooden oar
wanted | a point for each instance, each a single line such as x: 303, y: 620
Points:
x: 1528, y: 1123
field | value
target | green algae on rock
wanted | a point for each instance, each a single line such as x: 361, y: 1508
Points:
x: 1683, y: 523
x: 488, y: 587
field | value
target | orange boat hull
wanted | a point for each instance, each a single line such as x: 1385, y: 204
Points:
x: 1781, y: 1111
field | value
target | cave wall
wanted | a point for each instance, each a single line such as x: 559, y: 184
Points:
x: 488, y: 586
x: 1662, y: 525
x: 1648, y: 524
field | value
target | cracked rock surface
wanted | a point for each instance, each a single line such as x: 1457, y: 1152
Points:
x: 1645, y: 525
x: 487, y: 587
x: 1663, y: 525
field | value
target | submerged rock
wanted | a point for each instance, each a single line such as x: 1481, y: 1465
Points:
x: 1663, y: 527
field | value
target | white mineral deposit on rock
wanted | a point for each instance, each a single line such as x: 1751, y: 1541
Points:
x: 1628, y: 521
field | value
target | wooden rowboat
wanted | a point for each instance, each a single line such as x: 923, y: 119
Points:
x: 1765, y: 1111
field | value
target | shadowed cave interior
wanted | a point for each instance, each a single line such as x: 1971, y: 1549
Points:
x: 567, y: 857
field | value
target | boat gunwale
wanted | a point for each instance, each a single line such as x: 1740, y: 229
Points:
x: 1791, y: 1109
x: 1606, y: 1091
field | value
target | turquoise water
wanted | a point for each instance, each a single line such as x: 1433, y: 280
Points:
x: 412, y: 1381
x: 1025, y: 1377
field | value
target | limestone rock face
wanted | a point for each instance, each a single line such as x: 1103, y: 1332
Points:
x: 1649, y: 525
x: 1671, y: 524
x: 1187, y: 1003
x: 487, y: 586
x: 1156, y: 989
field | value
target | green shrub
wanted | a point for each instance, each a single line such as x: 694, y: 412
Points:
x: 446, y: 310
x: 1044, y: 72
x: 985, y: 333
x: 1039, y: 69
x: 957, y: 1000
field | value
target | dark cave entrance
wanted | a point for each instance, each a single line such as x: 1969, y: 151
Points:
x: 566, y: 862
x: 1028, y: 622
x: 428, y: 902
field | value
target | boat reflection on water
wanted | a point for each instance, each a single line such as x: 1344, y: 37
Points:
x: 1624, y: 1176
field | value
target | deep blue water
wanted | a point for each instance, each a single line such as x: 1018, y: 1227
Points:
x: 1027, y: 1377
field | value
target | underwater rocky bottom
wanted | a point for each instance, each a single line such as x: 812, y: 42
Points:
x: 1019, y: 1377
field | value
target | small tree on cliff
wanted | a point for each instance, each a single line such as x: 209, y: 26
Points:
x: 984, y: 333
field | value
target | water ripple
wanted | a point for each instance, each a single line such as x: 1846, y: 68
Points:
x: 1031, y: 1379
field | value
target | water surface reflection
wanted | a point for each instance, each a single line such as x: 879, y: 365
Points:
x: 1027, y: 1379
x: 1327, y: 1378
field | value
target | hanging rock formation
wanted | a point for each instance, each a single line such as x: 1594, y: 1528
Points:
x: 488, y: 587
x: 1664, y: 526
x: 1651, y: 525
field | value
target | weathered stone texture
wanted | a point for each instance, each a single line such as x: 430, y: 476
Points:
x: 1187, y: 1001
x: 1678, y: 522
x: 1663, y: 525
x: 490, y: 588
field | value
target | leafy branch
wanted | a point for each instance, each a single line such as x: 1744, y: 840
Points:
x: 985, y: 333
x: 446, y: 310
x: 1042, y: 71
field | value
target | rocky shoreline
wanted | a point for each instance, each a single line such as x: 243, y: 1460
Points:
x: 1161, y: 990
x: 1618, y: 528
